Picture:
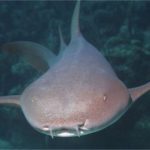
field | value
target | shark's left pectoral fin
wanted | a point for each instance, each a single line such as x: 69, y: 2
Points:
x: 139, y: 91
x: 13, y: 100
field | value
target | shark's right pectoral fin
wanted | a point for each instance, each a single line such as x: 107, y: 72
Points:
x: 13, y: 100
x: 139, y: 91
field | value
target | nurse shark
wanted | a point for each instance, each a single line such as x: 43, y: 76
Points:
x: 78, y: 93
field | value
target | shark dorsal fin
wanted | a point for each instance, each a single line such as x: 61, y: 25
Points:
x: 75, y: 30
x: 62, y: 42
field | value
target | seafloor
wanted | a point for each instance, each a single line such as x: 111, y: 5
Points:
x: 120, y: 29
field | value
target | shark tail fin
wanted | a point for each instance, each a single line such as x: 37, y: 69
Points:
x: 37, y: 55
x: 13, y: 100
x: 139, y: 91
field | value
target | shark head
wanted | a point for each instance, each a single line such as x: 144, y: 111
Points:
x: 64, y: 105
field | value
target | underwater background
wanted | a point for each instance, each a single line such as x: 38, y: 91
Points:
x: 119, y: 29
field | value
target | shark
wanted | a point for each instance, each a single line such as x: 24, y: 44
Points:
x: 78, y: 93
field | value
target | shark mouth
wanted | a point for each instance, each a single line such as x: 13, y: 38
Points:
x: 67, y: 132
x: 77, y: 130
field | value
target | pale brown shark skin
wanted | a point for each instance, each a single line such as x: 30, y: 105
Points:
x: 81, y: 87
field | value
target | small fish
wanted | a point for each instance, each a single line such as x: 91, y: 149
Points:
x: 78, y: 93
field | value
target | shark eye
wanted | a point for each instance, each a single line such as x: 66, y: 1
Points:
x: 105, y: 98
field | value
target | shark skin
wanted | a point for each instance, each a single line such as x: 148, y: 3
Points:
x: 78, y: 93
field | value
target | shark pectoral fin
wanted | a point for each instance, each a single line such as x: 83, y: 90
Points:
x: 37, y: 55
x: 139, y: 91
x: 10, y: 100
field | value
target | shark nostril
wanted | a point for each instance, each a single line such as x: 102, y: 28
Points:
x: 45, y: 128
x: 105, y: 97
x: 83, y: 126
